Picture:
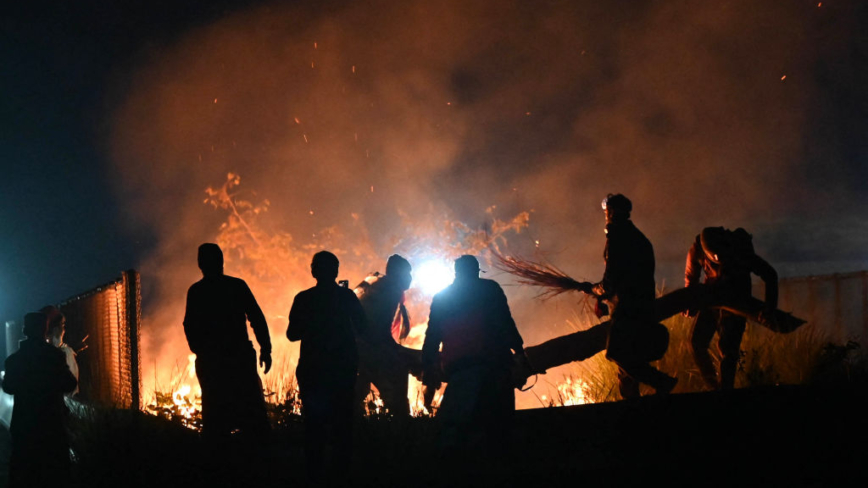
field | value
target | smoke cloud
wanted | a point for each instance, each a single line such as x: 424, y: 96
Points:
x: 366, y: 116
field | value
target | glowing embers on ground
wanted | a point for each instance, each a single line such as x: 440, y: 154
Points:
x: 184, y: 403
x: 433, y: 275
x: 374, y: 406
x: 573, y: 391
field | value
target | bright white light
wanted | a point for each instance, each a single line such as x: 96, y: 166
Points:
x: 432, y: 276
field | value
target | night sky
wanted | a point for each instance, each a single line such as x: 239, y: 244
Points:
x: 65, y: 230
x: 704, y: 115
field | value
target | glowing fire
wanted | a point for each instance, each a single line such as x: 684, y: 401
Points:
x: 574, y: 392
x: 276, y: 267
x: 184, y: 403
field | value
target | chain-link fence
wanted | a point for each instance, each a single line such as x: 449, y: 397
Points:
x: 104, y: 326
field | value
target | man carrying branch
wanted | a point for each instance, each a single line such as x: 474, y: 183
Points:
x: 629, y: 291
x: 727, y: 258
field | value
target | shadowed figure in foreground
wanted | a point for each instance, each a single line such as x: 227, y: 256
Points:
x: 628, y: 289
x: 382, y: 361
x: 218, y: 308
x: 472, y: 321
x: 326, y: 319
x: 37, y: 376
x: 727, y: 259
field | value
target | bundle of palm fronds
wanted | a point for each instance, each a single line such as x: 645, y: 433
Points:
x: 547, y: 276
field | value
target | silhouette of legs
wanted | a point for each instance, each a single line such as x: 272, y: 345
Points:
x: 392, y: 384
x: 700, y: 339
x: 475, y: 420
x: 731, y: 330
x: 328, y: 404
x: 41, y: 460
x: 627, y: 385
x: 232, y: 396
x: 388, y: 374
x: 625, y: 346
x: 631, y: 373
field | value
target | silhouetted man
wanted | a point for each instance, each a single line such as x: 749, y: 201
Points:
x: 727, y: 258
x: 37, y: 376
x: 381, y: 361
x: 218, y: 308
x: 628, y: 289
x: 472, y: 321
x: 326, y: 319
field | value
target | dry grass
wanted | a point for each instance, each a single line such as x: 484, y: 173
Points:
x: 767, y: 358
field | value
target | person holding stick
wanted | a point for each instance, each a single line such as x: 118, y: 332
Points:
x: 628, y: 290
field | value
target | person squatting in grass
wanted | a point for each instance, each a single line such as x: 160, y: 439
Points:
x: 472, y: 321
x: 629, y: 290
x: 38, y: 377
x: 727, y: 258
x: 215, y: 323
x: 326, y: 319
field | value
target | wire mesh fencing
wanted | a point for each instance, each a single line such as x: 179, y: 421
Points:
x: 104, y: 326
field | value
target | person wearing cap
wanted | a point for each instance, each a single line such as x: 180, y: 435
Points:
x: 629, y: 291
x: 37, y: 377
x: 472, y: 321
x: 56, y: 332
x: 326, y: 319
x: 381, y: 359
x: 727, y: 259
x: 215, y: 323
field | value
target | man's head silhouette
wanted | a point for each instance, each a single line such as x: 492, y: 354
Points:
x: 399, y: 269
x: 466, y: 266
x: 36, y: 326
x: 210, y: 259
x: 617, y: 207
x: 324, y: 266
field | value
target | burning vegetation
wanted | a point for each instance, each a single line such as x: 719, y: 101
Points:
x: 276, y: 266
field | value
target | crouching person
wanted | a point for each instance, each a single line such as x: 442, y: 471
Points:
x: 325, y: 319
x: 38, y: 376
